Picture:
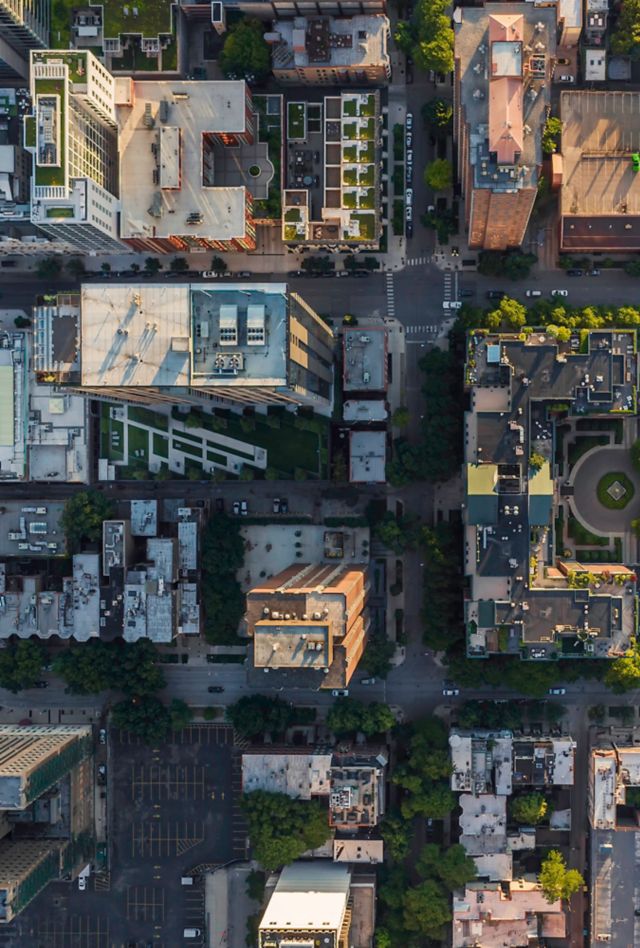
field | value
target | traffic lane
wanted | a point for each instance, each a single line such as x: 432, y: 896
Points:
x: 609, y: 288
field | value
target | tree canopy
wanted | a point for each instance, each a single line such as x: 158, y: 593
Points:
x: 625, y: 39
x: 397, y: 834
x: 424, y: 772
x: 437, y: 112
x: 426, y: 909
x: 623, y: 673
x: 254, y: 714
x: 245, y: 54
x: 94, y: 666
x: 529, y: 808
x: 452, y: 867
x: 150, y: 719
x: 221, y: 558
x: 281, y: 829
x: 83, y: 516
x: 550, y: 135
x: 21, y: 664
x: 347, y: 716
x: 438, y: 174
x: 556, y: 880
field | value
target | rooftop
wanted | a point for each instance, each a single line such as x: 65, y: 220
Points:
x: 483, y: 823
x: 177, y: 177
x: 367, y: 457
x: 496, y: 915
x: 365, y: 359
x: 331, y: 41
x: 180, y: 335
x: 144, y: 518
x: 31, y: 529
x: 309, y: 897
x: 298, y: 775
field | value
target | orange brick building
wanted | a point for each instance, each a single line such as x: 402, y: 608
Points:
x: 310, y: 619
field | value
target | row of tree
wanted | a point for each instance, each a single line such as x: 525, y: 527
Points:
x: 559, y: 319
x: 222, y: 555
x: 427, y: 36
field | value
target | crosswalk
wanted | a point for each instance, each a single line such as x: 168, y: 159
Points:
x: 391, y: 296
x: 450, y: 291
x: 421, y: 330
x: 417, y: 261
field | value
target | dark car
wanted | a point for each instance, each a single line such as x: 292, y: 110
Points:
x: 408, y: 229
x: 215, y: 689
x: 284, y: 505
x: 297, y: 273
x: 466, y: 293
x: 575, y: 273
x: 361, y: 273
x: 244, y: 275
x: 41, y: 684
x: 495, y: 294
x: 219, y: 505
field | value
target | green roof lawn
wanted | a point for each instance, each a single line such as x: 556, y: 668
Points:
x: 154, y: 17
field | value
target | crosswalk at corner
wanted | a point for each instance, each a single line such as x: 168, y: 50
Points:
x: 424, y: 330
x: 391, y: 296
x: 417, y: 261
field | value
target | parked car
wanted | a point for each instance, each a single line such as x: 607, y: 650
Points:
x: 565, y: 78
x: 409, y: 139
x: 408, y: 195
x: 533, y: 293
x: 557, y: 691
x: 408, y: 212
x: 244, y: 275
x: 594, y: 273
x: 219, y: 504
x: 284, y: 505
x: 449, y: 691
x: 244, y: 509
x: 82, y: 883
x: 215, y: 689
x: 103, y: 735
x: 340, y: 693
x: 408, y: 175
x: 574, y: 272
x: 297, y: 273
x: 409, y: 157
x: 559, y: 292
x: 408, y: 122
x: 409, y: 229
x: 361, y: 273
x: 466, y: 293
x: 211, y: 274
x: 41, y: 684
x: 276, y: 505
x: 455, y: 304
x: 562, y: 62
x: 236, y: 507
x: 495, y: 294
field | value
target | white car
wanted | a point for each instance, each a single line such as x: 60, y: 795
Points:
x: 368, y: 681
x: 340, y: 693
x: 103, y: 736
x: 559, y: 292
x: 450, y: 692
x: 455, y: 304
x: 82, y: 883
x: 408, y: 195
x: 565, y: 78
x: 557, y: 691
x: 211, y: 274
x: 533, y: 293
x: 408, y: 122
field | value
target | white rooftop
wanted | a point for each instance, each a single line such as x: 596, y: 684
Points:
x: 367, y: 457
x: 298, y: 775
x: 355, y: 41
x: 144, y: 518
x: 364, y: 410
x: 309, y: 896
x: 358, y: 850
x: 483, y: 823
x: 193, y: 109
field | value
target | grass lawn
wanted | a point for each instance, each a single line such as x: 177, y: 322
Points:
x: 296, y: 120
x: 605, y: 498
x: 287, y: 448
x: 138, y: 442
x: 583, y: 444
x: 160, y: 445
x: 153, y: 419
x: 584, y: 537
x: 187, y: 448
x: 153, y: 17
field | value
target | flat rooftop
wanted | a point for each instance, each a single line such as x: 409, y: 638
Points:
x: 331, y: 41
x: 32, y: 528
x: 298, y: 775
x: 180, y: 335
x: 365, y: 359
x: 367, y: 457
x: 176, y: 176
x: 309, y: 897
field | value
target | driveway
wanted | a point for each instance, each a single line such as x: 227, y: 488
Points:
x: 585, y: 477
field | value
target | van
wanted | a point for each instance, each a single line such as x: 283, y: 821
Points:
x: 186, y: 880
x: 191, y: 933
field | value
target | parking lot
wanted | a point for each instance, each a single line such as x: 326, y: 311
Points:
x: 172, y: 812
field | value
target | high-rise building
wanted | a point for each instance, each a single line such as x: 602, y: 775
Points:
x: 72, y: 135
x: 325, y: 50
x: 24, y: 25
x: 310, y: 621
x: 46, y: 809
x: 503, y: 66
x: 248, y: 343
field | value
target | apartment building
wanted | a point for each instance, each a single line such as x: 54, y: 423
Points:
x: 324, y: 50
x: 279, y: 9
x: 504, y: 58
x: 46, y: 809
x: 524, y: 597
x: 310, y: 622
x: 244, y: 343
x: 24, y: 25
x: 73, y: 138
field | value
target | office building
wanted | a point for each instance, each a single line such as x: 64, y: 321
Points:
x: 24, y: 25
x: 319, y: 902
x: 190, y: 165
x: 600, y: 186
x: 72, y: 136
x: 245, y: 343
x: 530, y: 594
x: 327, y: 50
x: 46, y: 805
x: 310, y: 622
x: 504, y: 57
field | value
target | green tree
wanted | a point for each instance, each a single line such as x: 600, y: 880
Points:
x: 382, y: 938
x: 219, y: 265
x: 435, y: 801
x: 222, y: 556
x: 83, y: 516
x: 597, y: 713
x: 76, y: 267
x: 635, y: 454
x: 625, y: 39
x: 551, y: 134
x: 87, y: 668
x: 245, y: 54
x: 452, y: 867
x: 511, y: 313
x: 254, y: 714
x: 445, y: 223
x: 49, y: 268
x: 255, y: 884
x: 624, y: 672
x: 378, y: 654
x: 179, y: 265
x: 556, y: 880
x: 437, y: 112
x: 346, y: 716
x: 180, y: 714
x: 21, y: 322
x: 529, y: 809
x: 21, y: 664
x: 397, y: 534
x: 397, y: 834
x: 152, y: 265
x: 135, y: 268
x: 146, y: 717
x: 438, y: 174
x: 281, y: 829
x: 632, y: 268
x: 426, y: 909
x: 401, y: 417
x: 536, y: 461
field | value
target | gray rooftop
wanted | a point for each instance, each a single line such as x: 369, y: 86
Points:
x: 365, y: 359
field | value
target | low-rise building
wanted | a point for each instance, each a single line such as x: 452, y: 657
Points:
x: 495, y: 914
x: 524, y: 598
x: 244, y: 343
x: 367, y: 457
x: 497, y: 761
x: 310, y: 621
x: 324, y: 49
x: 364, y: 360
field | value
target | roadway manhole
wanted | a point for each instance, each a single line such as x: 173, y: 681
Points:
x: 616, y: 491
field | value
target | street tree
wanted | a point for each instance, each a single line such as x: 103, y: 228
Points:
x: 152, y: 265
x: 245, y: 54
x: 438, y: 174
x: 556, y: 880
x: 256, y: 714
x: 624, y: 672
x: 437, y: 112
x: 281, y: 828
x: 179, y: 265
x: 348, y: 716
x: 452, y: 867
x: 83, y: 516
x: 76, y: 267
x: 426, y: 909
x: 21, y: 664
x: 396, y: 834
x: 49, y: 268
x: 146, y: 717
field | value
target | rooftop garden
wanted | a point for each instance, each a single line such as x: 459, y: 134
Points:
x: 76, y: 63
x: 296, y: 120
x: 293, y: 215
x: 356, y: 105
x: 146, y: 18
x: 30, y: 131
x: 60, y: 212
x: 269, y: 110
x: 367, y: 224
